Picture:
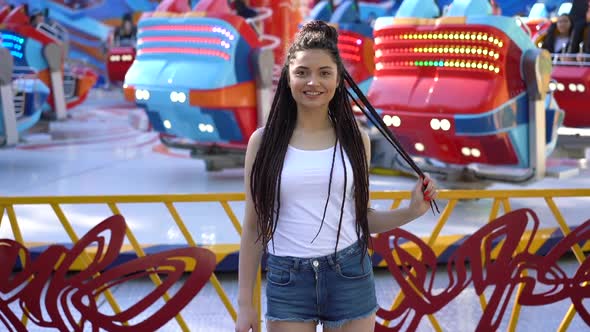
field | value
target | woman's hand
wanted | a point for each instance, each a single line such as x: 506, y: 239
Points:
x: 420, y: 201
x: 247, y: 319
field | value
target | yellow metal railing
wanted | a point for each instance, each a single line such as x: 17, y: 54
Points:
x: 500, y: 199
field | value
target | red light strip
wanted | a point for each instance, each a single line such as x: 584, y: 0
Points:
x: 183, y: 50
x: 348, y: 38
x: 353, y: 57
x: 179, y: 28
x: 181, y: 39
x: 349, y: 47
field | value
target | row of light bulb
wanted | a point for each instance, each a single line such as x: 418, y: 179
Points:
x: 443, y: 36
x: 470, y: 152
x: 392, y: 120
x: 188, y: 28
x: 442, y: 50
x: 203, y: 127
x: 441, y: 63
x: 177, y: 97
x: 573, y: 87
x: 437, y: 124
x: 124, y: 58
x: 141, y: 94
x: 467, y: 152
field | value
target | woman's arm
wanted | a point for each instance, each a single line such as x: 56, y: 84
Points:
x: 383, y: 221
x: 250, y: 249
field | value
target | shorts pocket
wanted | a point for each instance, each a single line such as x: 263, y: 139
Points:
x: 353, y: 269
x: 279, y: 276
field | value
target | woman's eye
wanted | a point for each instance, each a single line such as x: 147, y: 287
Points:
x: 326, y: 73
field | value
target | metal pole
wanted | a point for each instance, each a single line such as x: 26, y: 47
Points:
x: 263, y: 62
x: 7, y: 98
x: 537, y: 72
x: 54, y: 57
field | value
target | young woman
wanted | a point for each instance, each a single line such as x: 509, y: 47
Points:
x: 558, y: 35
x: 307, y: 200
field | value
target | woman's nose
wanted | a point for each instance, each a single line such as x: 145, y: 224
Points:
x: 312, y: 81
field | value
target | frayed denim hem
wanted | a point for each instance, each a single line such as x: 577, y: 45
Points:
x: 340, y: 323
x: 295, y: 320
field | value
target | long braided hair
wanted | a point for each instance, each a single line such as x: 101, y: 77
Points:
x: 265, y: 178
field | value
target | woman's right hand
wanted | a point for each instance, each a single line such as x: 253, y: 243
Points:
x: 247, y: 319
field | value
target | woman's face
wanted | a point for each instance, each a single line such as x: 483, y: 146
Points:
x: 313, y: 79
x: 563, y: 24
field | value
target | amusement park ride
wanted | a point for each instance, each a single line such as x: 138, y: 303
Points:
x: 463, y: 84
x: 41, y: 80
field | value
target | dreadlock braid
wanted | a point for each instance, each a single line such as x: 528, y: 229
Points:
x: 265, y: 177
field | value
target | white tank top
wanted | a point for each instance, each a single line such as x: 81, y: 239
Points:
x: 304, y: 190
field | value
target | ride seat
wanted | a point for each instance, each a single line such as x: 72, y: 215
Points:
x: 213, y: 6
x: 17, y: 16
x: 173, y: 6
x: 429, y: 65
x: 4, y: 11
x: 469, y: 8
x: 418, y: 8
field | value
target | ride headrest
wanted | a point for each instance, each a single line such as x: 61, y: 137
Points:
x: 539, y: 10
x: 4, y: 11
x: 346, y: 12
x: 565, y: 8
x: 469, y: 8
x: 213, y: 6
x: 174, y: 6
x: 418, y: 8
x: 17, y: 16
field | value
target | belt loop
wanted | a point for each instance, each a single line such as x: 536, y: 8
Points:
x: 296, y: 264
x: 332, y: 261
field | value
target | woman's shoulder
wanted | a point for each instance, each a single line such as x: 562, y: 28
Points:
x: 365, y: 137
x: 255, y: 139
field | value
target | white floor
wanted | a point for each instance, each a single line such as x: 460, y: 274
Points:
x: 97, y: 152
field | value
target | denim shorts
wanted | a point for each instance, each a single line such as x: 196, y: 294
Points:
x: 330, y: 290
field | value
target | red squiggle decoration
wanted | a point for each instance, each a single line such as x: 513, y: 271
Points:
x: 67, y: 293
x: 504, y: 273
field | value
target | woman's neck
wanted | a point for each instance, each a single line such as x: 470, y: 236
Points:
x: 312, y: 120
